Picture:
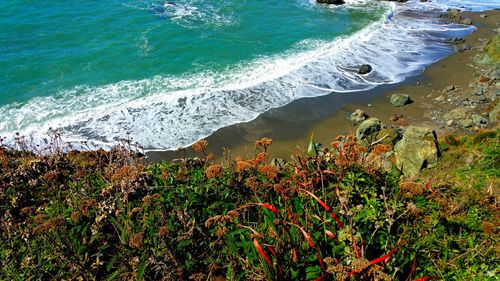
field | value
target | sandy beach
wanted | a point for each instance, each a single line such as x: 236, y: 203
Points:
x: 327, y: 117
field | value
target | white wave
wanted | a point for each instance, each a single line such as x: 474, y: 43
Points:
x: 170, y: 112
x: 467, y: 5
x: 189, y: 13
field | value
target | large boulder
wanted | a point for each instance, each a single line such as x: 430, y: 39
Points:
x: 399, y: 99
x: 368, y: 130
x: 417, y: 150
x: 358, y: 116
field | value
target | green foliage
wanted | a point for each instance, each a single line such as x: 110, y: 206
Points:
x: 329, y: 215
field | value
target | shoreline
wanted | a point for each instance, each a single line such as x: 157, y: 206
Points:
x: 290, y: 126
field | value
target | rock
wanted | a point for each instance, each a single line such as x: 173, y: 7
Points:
x: 465, y: 123
x: 494, y: 74
x: 368, y: 130
x: 454, y: 14
x: 365, y: 69
x: 387, y: 136
x: 479, y: 120
x: 417, y: 150
x: 456, y: 115
x: 334, y: 2
x: 399, y: 99
x: 483, y: 16
x: 358, y: 116
x: 466, y: 21
x: 369, y: 105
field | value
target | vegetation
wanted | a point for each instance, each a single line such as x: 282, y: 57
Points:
x: 330, y: 213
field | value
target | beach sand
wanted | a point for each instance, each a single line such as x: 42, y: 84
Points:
x: 327, y: 117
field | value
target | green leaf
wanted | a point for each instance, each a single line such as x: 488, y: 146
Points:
x: 311, y: 148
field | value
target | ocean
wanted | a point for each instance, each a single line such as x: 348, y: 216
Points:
x: 167, y: 73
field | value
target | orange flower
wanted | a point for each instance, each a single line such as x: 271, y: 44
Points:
x: 269, y: 171
x: 214, y: 171
x: 200, y: 146
x: 243, y: 166
x: 259, y: 158
x: 264, y: 142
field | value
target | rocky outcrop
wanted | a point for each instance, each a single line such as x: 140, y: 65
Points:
x: 358, y: 116
x: 334, y: 2
x: 417, y: 150
x: 365, y: 69
x: 459, y: 116
x: 490, y: 54
x: 399, y: 99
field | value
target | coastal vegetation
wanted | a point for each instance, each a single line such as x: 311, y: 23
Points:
x: 328, y: 213
x: 394, y: 202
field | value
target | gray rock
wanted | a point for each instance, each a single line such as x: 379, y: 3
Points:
x: 399, y: 99
x: 368, y: 130
x: 479, y: 120
x: 417, y: 150
x: 358, y: 116
x: 365, y: 69
x: 494, y: 74
x: 483, y: 16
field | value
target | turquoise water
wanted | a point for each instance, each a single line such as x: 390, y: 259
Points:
x: 168, y: 73
x: 51, y: 46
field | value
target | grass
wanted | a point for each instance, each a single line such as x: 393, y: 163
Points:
x: 330, y: 214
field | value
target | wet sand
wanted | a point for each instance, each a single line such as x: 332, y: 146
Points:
x: 327, y: 117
